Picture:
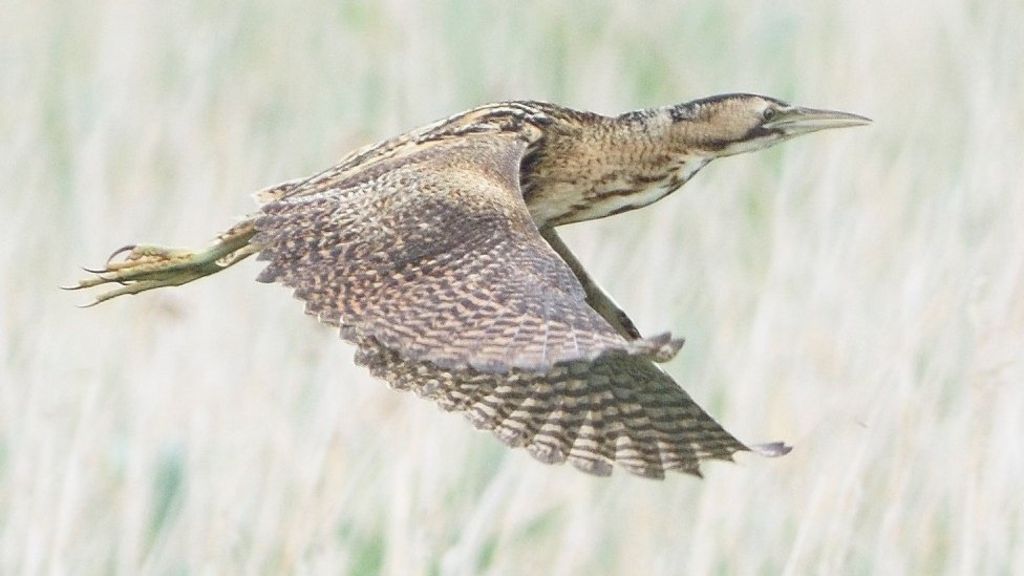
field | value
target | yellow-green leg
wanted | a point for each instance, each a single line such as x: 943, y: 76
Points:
x: 141, y: 268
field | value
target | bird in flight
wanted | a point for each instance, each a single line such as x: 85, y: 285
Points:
x: 435, y: 253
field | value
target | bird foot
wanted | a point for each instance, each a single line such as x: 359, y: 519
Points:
x: 142, y: 268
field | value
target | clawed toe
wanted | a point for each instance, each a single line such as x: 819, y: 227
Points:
x: 120, y: 251
x: 139, y: 268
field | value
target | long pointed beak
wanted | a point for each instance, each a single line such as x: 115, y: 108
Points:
x: 797, y: 120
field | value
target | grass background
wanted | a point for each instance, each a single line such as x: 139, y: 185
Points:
x: 859, y: 294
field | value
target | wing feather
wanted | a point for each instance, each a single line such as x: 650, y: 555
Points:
x: 434, y: 254
x: 616, y: 410
x: 429, y: 262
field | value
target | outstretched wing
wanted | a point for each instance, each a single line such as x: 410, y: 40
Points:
x: 433, y: 254
x: 431, y: 264
x: 617, y: 409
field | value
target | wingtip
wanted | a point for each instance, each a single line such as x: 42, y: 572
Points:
x: 772, y: 449
x: 659, y: 348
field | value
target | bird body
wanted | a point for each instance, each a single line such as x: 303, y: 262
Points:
x: 435, y: 253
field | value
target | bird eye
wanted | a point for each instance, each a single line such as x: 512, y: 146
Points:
x: 768, y: 114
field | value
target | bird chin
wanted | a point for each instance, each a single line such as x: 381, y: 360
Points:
x: 767, y: 140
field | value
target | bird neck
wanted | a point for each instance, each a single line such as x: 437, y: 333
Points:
x: 608, y: 166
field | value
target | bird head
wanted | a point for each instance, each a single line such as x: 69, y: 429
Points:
x: 736, y: 123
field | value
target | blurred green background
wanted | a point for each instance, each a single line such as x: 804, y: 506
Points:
x: 859, y: 294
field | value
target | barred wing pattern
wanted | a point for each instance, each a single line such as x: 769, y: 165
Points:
x: 617, y: 409
x: 431, y: 264
x: 434, y: 254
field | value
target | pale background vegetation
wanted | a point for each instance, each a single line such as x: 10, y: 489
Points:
x: 859, y: 294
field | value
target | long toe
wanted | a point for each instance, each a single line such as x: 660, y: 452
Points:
x: 142, y: 268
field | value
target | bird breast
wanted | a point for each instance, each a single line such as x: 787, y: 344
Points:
x: 590, y: 192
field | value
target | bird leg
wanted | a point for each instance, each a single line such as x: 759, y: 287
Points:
x: 141, y: 268
x: 598, y: 300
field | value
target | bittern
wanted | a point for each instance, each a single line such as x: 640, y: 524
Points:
x: 435, y: 253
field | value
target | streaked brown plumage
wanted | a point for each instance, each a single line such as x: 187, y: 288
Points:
x: 435, y: 253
